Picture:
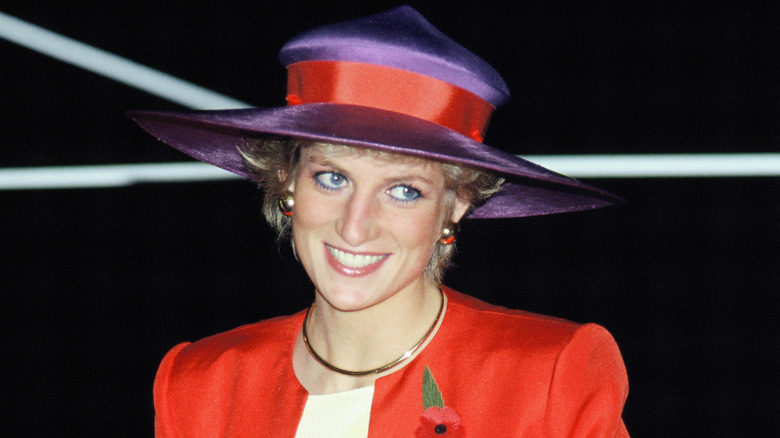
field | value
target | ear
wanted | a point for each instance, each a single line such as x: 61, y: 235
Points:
x: 459, y: 210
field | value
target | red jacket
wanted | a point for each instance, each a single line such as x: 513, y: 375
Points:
x: 501, y: 373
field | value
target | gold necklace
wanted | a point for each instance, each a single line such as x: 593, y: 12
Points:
x: 383, y: 368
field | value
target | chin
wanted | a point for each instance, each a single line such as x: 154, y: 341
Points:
x: 348, y: 301
x: 355, y: 294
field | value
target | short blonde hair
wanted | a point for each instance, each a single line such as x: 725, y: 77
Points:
x: 273, y: 163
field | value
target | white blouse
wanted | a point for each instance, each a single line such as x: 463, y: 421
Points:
x: 341, y: 414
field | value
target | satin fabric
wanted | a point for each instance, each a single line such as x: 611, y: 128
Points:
x: 215, y: 136
x: 399, y: 38
x: 504, y: 373
x: 400, y: 115
x: 391, y: 89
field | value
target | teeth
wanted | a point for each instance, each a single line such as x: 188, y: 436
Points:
x: 354, y: 261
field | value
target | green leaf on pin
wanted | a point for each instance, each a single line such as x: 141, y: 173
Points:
x: 431, y: 394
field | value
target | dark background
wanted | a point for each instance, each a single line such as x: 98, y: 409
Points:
x: 97, y: 284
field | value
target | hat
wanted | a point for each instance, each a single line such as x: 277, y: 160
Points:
x: 393, y: 82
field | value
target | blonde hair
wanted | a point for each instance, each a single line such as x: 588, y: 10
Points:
x: 273, y: 163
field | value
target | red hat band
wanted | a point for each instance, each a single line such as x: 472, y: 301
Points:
x: 391, y: 89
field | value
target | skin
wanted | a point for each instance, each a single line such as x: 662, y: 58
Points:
x: 352, y: 206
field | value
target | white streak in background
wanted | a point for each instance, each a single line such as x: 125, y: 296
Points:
x: 662, y: 165
x: 112, y: 66
x: 111, y: 175
x: 578, y: 166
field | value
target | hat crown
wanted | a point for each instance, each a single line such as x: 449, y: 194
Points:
x: 401, y: 38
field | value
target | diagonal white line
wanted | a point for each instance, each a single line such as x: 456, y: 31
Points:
x: 112, y: 66
x: 588, y: 166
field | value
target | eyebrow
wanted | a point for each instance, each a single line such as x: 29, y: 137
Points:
x: 321, y: 159
x: 410, y: 178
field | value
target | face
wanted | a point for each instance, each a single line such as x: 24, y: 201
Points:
x: 364, y: 226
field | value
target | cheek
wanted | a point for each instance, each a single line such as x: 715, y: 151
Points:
x: 310, y: 210
x: 308, y: 220
x: 418, y: 232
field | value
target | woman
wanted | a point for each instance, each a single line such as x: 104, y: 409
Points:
x: 371, y: 166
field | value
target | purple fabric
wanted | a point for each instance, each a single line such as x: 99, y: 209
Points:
x: 404, y: 39
x: 214, y: 136
x: 399, y: 38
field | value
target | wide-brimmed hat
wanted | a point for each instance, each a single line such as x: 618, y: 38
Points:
x: 392, y: 82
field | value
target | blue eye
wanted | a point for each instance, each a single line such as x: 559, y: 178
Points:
x: 330, y: 180
x: 404, y: 193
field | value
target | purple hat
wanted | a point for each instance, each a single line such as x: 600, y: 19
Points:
x: 393, y: 82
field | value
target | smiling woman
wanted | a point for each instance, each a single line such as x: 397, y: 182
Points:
x: 369, y: 169
x: 366, y: 216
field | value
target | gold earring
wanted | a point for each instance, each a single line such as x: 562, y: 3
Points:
x: 448, y: 234
x: 286, y: 203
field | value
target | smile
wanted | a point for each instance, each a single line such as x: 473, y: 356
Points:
x: 354, y: 261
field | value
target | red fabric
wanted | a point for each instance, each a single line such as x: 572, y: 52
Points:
x: 505, y: 373
x: 391, y: 89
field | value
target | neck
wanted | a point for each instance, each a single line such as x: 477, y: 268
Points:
x: 365, y: 339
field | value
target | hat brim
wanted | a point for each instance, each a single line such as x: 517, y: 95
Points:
x: 215, y: 136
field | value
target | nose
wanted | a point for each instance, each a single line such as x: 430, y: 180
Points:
x: 358, y: 223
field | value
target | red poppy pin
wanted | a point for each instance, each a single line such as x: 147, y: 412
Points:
x: 437, y: 420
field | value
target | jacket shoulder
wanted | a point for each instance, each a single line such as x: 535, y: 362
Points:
x: 265, y: 340
x: 518, y: 335
x: 202, y: 387
x: 567, y: 379
x: 484, y: 320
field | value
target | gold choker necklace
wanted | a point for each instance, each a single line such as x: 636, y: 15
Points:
x: 383, y: 368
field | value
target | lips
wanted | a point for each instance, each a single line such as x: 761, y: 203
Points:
x: 354, y: 264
